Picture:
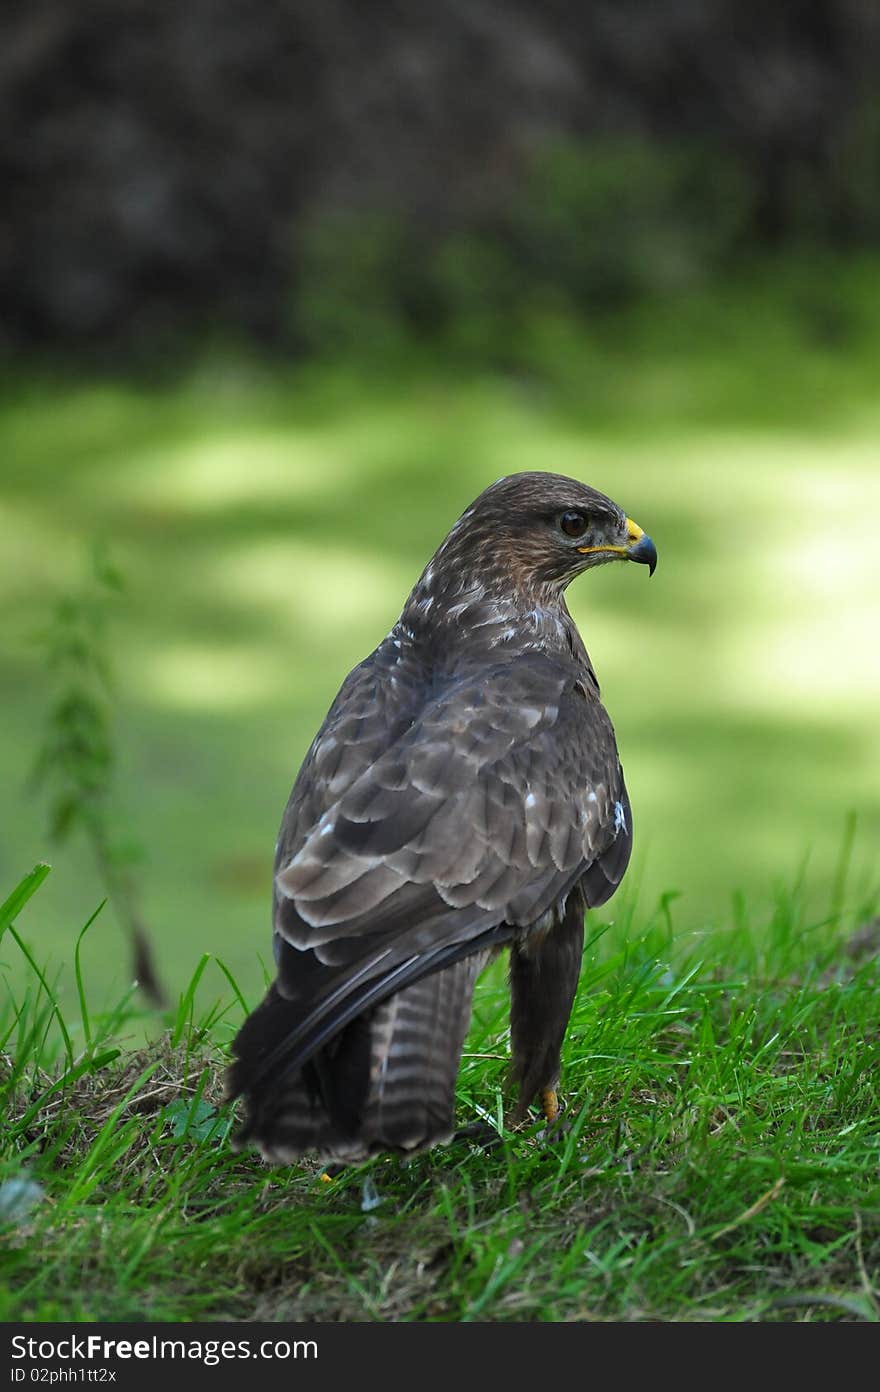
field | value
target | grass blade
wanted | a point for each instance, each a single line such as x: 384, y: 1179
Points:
x: 12, y: 907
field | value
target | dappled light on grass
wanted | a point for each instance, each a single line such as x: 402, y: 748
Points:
x: 315, y: 591
x: 222, y: 677
x: 309, y: 598
x: 243, y: 469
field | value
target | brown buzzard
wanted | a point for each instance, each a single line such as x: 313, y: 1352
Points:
x: 464, y: 793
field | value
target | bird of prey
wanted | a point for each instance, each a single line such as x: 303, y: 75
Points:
x: 464, y: 793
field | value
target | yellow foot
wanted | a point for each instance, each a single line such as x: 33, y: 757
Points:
x: 550, y: 1104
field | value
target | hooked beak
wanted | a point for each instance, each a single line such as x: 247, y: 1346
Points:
x: 641, y: 547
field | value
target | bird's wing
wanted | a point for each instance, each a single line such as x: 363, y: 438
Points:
x: 502, y: 794
x: 372, y: 710
x: 506, y: 783
x: 505, y: 790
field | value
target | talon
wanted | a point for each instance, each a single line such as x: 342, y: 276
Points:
x: 549, y: 1103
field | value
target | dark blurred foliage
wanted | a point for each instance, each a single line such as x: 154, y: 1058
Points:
x: 311, y: 170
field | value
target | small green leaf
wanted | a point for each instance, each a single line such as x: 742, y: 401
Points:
x: 198, y: 1121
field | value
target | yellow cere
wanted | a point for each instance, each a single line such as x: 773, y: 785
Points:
x: 633, y: 531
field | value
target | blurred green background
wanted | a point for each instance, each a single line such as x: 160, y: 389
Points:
x: 279, y: 305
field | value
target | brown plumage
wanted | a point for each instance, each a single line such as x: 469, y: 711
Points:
x: 463, y: 793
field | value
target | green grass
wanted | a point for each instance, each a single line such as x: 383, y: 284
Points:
x: 720, y: 1161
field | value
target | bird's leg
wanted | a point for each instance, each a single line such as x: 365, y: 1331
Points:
x: 549, y: 1103
x: 543, y: 979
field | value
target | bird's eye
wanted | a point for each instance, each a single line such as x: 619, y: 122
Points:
x: 573, y: 523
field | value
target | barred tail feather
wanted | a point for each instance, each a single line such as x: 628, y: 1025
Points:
x: 386, y: 1082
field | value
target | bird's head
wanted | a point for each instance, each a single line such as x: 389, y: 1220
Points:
x: 542, y: 530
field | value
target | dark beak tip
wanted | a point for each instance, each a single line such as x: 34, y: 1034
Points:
x: 645, y: 553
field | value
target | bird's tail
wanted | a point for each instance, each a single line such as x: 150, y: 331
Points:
x: 385, y: 1082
